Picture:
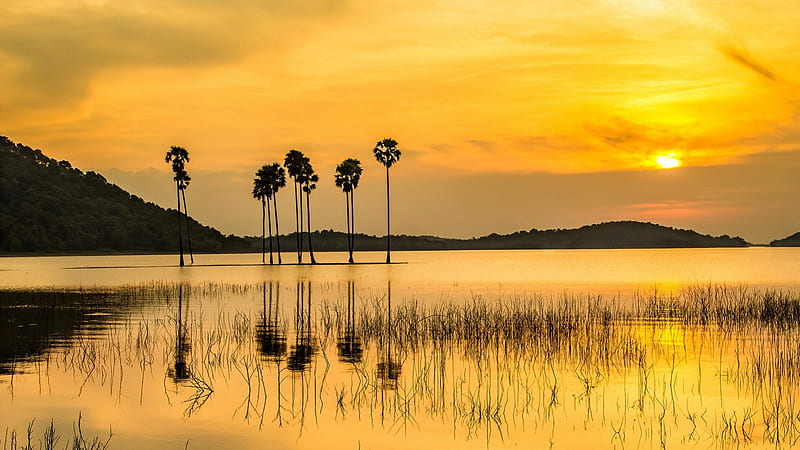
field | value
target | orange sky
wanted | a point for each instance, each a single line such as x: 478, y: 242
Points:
x: 566, y: 91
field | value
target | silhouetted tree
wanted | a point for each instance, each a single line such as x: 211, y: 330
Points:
x: 386, y: 153
x: 309, y: 180
x: 262, y: 191
x: 294, y: 163
x: 178, y: 156
x: 184, y: 183
x: 347, y: 176
x: 276, y: 177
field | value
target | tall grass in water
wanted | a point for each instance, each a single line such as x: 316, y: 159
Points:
x: 635, y: 370
x: 51, y: 440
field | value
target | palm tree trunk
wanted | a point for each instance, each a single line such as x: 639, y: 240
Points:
x: 263, y: 243
x: 188, y: 235
x: 269, y: 223
x: 308, y: 217
x: 277, y: 232
x: 352, y: 225
x: 388, y: 231
x: 180, y: 234
x: 300, y: 234
x: 347, y: 208
x: 297, y: 227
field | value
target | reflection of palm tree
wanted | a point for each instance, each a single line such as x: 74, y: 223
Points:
x: 302, y: 353
x: 178, y: 156
x: 348, y: 174
x: 386, y: 153
x: 181, y: 371
x: 271, y: 339
x: 388, y: 370
x: 349, y: 345
x: 294, y: 162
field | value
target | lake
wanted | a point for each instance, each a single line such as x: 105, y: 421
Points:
x: 451, y: 349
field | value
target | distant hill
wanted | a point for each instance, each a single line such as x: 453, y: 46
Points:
x: 47, y: 206
x: 624, y: 234
x: 789, y: 241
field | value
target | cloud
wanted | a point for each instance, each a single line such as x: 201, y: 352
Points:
x: 743, y: 57
x: 54, y: 55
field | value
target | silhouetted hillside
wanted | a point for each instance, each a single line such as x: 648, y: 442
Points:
x: 47, y: 206
x: 789, y: 241
x: 625, y: 234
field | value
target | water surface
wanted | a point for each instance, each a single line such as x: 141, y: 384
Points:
x: 500, y: 349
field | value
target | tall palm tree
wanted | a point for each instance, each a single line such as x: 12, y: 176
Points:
x: 347, y: 176
x: 386, y: 153
x: 342, y: 180
x: 262, y: 190
x: 184, y: 183
x: 294, y: 162
x: 178, y: 156
x: 309, y: 179
x: 277, y: 180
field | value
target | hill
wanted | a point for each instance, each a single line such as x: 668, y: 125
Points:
x: 47, y: 206
x: 789, y: 241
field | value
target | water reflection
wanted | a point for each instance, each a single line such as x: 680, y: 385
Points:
x: 667, y: 371
x: 303, y: 350
x: 348, y: 345
x: 34, y: 323
x: 270, y: 335
x: 389, y: 367
x: 180, y: 371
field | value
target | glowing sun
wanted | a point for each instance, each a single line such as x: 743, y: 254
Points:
x: 668, y: 161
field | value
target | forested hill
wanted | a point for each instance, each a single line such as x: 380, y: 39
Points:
x: 624, y: 234
x: 47, y: 206
x: 789, y: 241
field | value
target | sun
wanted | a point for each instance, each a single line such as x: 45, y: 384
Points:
x: 668, y: 161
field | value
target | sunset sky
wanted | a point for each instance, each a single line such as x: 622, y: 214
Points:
x: 511, y: 114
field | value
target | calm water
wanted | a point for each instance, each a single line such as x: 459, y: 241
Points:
x: 491, y: 349
x: 433, y: 275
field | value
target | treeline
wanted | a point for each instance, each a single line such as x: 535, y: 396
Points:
x: 47, y: 206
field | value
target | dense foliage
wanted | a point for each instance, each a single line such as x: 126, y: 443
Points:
x: 49, y: 206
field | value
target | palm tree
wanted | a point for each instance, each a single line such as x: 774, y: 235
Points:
x: 386, y: 153
x: 262, y: 190
x: 294, y: 162
x: 309, y: 180
x: 348, y: 173
x: 178, y: 156
x: 277, y: 180
x: 184, y: 183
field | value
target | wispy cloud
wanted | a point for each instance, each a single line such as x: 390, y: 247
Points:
x: 742, y: 56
